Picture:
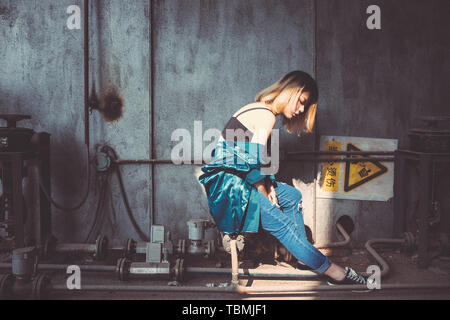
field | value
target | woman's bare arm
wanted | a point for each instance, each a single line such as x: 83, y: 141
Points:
x: 261, y: 187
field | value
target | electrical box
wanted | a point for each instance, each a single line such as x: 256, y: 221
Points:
x: 157, y: 234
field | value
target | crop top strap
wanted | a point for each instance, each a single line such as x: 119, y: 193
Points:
x: 252, y: 109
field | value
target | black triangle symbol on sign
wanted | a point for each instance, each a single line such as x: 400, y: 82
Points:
x: 347, y: 186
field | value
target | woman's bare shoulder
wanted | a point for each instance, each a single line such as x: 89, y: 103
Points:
x: 256, y: 119
x: 252, y: 105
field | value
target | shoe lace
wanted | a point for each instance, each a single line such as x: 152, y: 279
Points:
x: 353, y: 276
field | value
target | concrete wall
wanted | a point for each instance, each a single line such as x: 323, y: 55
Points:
x: 374, y: 83
x: 208, y: 59
x: 211, y: 58
x: 42, y: 75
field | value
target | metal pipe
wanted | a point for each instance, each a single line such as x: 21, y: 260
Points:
x: 384, y: 266
x: 385, y: 153
x: 144, y: 161
x: 234, y: 263
x: 75, y: 248
x: 245, y: 290
x: 339, y: 243
x: 299, y: 289
x: 197, y: 162
x: 86, y: 73
x: 63, y: 267
x: 152, y: 107
x: 319, y: 159
x: 272, y: 272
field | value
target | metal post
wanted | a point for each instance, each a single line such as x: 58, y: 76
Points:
x: 399, y: 194
x: 45, y: 207
x: 16, y: 172
x: 424, y: 209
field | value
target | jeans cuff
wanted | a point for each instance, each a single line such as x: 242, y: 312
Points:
x: 325, y: 265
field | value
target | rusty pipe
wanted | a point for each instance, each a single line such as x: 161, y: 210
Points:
x: 86, y: 73
x: 63, y: 267
x: 314, y: 159
x: 197, y: 162
x: 383, y: 264
x: 75, y: 248
x: 362, y: 159
x: 257, y: 273
x: 272, y: 272
x: 381, y: 153
x: 246, y: 290
x: 339, y: 243
x: 234, y: 263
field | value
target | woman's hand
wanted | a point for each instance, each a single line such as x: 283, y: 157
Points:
x: 272, y: 196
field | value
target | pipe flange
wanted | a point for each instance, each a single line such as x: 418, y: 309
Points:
x: 101, y: 244
x: 123, y: 269
x: 39, y: 286
x: 179, y: 270
x: 409, y: 243
x: 240, y: 242
x: 6, y: 284
x: 130, y: 248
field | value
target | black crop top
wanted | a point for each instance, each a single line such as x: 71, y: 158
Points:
x: 234, y: 124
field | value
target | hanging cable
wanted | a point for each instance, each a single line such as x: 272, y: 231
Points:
x: 124, y: 195
x: 101, y: 200
x: 49, y: 198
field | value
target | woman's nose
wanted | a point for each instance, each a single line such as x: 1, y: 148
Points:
x: 300, y: 109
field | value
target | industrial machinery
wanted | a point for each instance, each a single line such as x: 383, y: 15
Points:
x: 98, y: 249
x: 429, y: 152
x: 21, y: 148
x: 24, y: 280
x: 202, y: 238
x: 162, y: 258
x: 158, y: 258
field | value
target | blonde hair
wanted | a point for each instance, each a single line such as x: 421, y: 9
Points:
x: 277, y: 97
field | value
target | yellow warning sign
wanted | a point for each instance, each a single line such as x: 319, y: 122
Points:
x: 331, y: 169
x: 359, y: 173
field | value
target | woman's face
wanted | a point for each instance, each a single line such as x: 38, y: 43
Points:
x: 296, y: 104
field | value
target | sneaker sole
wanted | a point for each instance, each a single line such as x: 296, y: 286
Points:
x: 356, y: 290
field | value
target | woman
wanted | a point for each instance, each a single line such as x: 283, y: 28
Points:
x: 242, y: 198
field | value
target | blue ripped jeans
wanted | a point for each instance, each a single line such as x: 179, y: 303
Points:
x: 287, y: 226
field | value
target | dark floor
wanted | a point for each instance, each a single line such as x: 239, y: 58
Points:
x: 402, y: 270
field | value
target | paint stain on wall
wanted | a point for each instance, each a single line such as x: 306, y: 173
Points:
x: 112, y: 105
x: 8, y: 16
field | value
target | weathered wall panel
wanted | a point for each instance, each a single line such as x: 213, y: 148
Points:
x: 211, y: 58
x: 374, y: 83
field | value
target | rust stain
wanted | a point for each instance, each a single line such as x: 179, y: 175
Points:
x: 112, y: 105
